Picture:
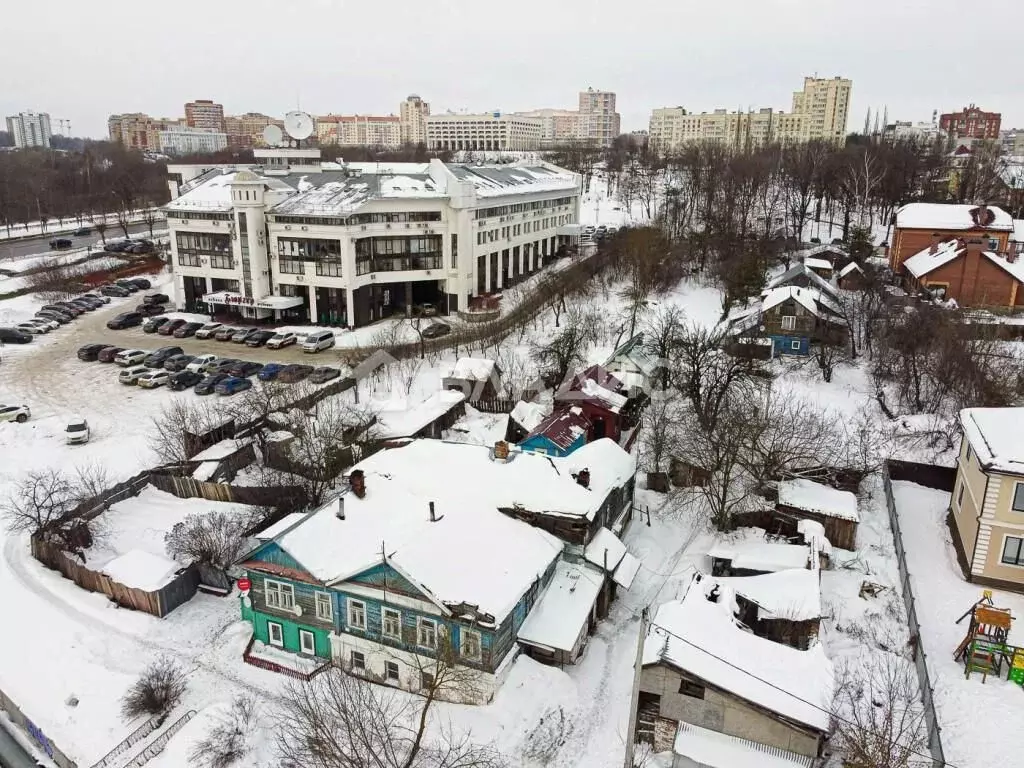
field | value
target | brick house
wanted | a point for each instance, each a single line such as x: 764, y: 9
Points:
x: 967, y: 272
x: 921, y: 225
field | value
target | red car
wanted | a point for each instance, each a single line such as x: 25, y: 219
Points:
x: 170, y: 327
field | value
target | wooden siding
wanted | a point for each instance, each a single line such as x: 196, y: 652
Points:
x: 305, y: 597
x: 387, y: 578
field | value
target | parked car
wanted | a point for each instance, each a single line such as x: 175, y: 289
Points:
x: 425, y: 310
x: 153, y: 379
x: 156, y: 298
x: 98, y: 296
x: 32, y: 328
x: 83, y: 304
x: 186, y: 330
x: 44, y: 322
x: 199, y: 363
x: 436, y: 330
x: 90, y: 352
x: 207, y: 385
x: 178, y: 362
x: 324, y: 373
x: 182, y: 380
x: 51, y: 314
x: 128, y: 285
x: 152, y: 325
x: 224, y: 333
x: 132, y: 374
x: 61, y: 243
x: 14, y: 336
x: 243, y: 369
x: 142, y: 282
x: 107, y: 354
x: 158, y: 357
x: 208, y: 330
x: 242, y: 335
x: 259, y: 338
x: 270, y: 371
x: 221, y: 365
x: 114, y: 290
x: 130, y: 357
x: 125, y: 320
x: 232, y: 385
x: 67, y: 309
x: 318, y: 340
x: 77, y: 431
x: 18, y: 413
x: 88, y: 301
x: 294, y: 373
x: 115, y: 247
x: 82, y: 232
x: 281, y: 339
x: 150, y: 310
x: 170, y: 326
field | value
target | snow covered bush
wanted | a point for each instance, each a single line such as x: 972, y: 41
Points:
x: 231, y: 736
x: 160, y: 687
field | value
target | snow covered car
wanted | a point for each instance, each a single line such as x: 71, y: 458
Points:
x: 77, y: 431
x: 18, y: 413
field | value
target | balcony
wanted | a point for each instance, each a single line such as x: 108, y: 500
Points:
x: 328, y: 268
x: 222, y: 262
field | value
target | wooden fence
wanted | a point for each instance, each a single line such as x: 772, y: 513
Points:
x: 289, y: 497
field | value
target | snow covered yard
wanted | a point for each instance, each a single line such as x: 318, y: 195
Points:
x: 977, y: 718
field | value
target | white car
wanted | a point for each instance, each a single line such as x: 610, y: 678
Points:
x: 132, y: 374
x: 32, y: 328
x: 18, y: 413
x: 208, y: 330
x: 130, y: 357
x: 77, y: 431
x: 199, y: 364
x: 45, y: 323
x: 281, y: 340
x: 153, y: 379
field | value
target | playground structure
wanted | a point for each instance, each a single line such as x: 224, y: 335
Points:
x: 984, y: 649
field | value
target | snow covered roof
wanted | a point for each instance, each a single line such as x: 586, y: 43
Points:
x: 712, y: 749
x: 943, y: 216
x: 212, y: 191
x: 221, y: 450
x: 925, y: 261
x: 499, y: 180
x: 1014, y: 269
x: 815, y: 497
x: 753, y: 553
x: 470, y: 368
x: 814, y: 531
x: 408, y: 421
x: 995, y: 435
x: 817, y: 263
x: 809, y: 298
x: 282, y: 525
x: 631, y: 353
x: 626, y: 571
x: 562, y: 427
x: 853, y: 265
x: 529, y: 415
x: 605, y: 541
x: 562, y: 612
x: 702, y: 638
x: 803, y: 270
x: 143, y: 570
x: 793, y: 594
x: 1018, y: 231
x: 597, y: 385
x: 452, y: 559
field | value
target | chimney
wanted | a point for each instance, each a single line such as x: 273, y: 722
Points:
x: 934, y: 248
x: 340, y: 512
x: 357, y: 481
x: 583, y: 477
x: 500, y: 450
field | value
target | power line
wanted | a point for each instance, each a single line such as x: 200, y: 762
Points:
x: 788, y: 693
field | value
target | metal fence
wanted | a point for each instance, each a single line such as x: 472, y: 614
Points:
x: 920, y: 657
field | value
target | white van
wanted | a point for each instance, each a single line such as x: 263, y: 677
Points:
x: 317, y: 341
x: 77, y: 431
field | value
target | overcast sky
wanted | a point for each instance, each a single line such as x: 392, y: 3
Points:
x: 84, y: 60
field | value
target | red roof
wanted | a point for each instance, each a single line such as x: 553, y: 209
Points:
x: 562, y: 427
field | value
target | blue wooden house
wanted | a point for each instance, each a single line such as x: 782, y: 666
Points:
x: 559, y: 433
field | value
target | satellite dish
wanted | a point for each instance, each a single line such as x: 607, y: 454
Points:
x: 272, y: 135
x: 298, y: 125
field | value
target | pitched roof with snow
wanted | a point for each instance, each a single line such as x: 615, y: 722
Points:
x: 712, y: 749
x: 703, y: 639
x: 802, y: 270
x: 815, y: 497
x: 948, y: 216
x: 562, y: 427
x: 560, y: 615
x: 1018, y: 231
x: 793, y: 594
x: 995, y: 435
x: 926, y: 261
x: 500, y: 180
x: 1014, y: 269
x: 470, y: 369
x: 529, y: 415
x: 851, y: 267
x: 811, y: 263
x: 596, y: 385
x: 810, y: 299
x: 632, y: 353
x: 406, y: 422
x: 748, y: 550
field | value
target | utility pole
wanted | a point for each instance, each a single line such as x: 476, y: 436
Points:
x: 645, y: 622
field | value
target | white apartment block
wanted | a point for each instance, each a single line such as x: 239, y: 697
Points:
x: 30, y: 129
x: 484, y: 132
x: 819, y: 112
x: 413, y: 113
x: 557, y: 125
x: 360, y: 130
x: 599, y: 122
x: 300, y: 241
x: 182, y: 140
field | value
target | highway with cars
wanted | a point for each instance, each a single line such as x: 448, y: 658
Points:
x: 37, y: 246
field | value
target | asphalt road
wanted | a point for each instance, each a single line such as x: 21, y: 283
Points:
x: 36, y: 245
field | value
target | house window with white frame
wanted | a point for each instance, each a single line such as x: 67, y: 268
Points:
x: 275, y: 634
x: 307, y: 642
x: 1018, y: 497
x: 324, y: 609
x: 794, y: 345
x: 789, y: 322
x: 1013, y: 551
x: 391, y: 623
x: 356, y: 614
x: 357, y: 661
x: 391, y: 671
x: 279, y: 595
x: 426, y: 633
x: 470, y: 642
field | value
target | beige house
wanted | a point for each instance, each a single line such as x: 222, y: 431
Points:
x: 988, y: 497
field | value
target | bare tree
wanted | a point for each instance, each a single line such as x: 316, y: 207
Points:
x: 171, y: 440
x: 150, y: 219
x: 658, y: 439
x: 47, y: 502
x: 340, y: 720
x: 160, y: 687
x: 215, y: 539
x: 828, y: 355
x: 567, y: 350
x: 662, y: 331
x: 232, y: 734
x: 100, y: 225
x: 878, y: 715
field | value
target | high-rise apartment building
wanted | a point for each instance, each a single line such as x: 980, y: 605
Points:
x: 599, y: 123
x: 30, y: 129
x: 557, y: 125
x: 413, y: 114
x: 490, y: 131
x: 820, y: 112
x: 136, y: 130
x: 205, y: 114
x: 182, y: 140
x: 360, y: 130
x: 971, y: 123
x: 246, y: 130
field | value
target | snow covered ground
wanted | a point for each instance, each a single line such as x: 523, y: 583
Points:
x: 34, y: 229
x: 976, y: 717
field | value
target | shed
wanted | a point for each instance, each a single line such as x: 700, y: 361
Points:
x: 556, y: 630
x: 836, y: 510
x: 148, y: 582
x: 524, y: 418
x: 851, y: 277
x: 821, y: 267
x: 784, y: 606
x: 427, y: 419
x: 752, y: 557
x: 476, y: 377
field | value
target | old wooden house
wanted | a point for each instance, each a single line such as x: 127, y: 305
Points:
x: 795, y: 318
x: 476, y: 377
x: 800, y: 275
x: 784, y: 606
x: 601, y: 398
x: 851, y: 277
x: 559, y: 433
